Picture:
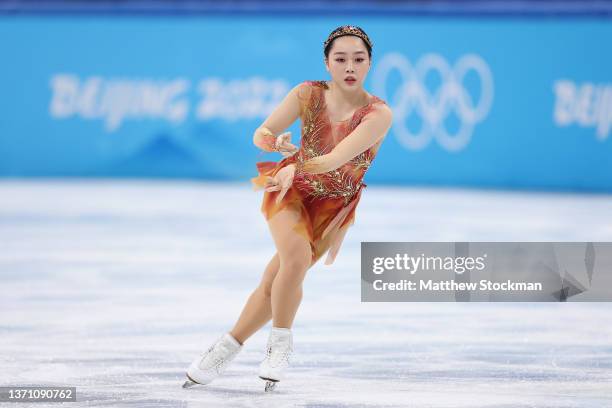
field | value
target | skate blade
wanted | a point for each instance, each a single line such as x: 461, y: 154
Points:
x: 189, y: 382
x: 270, y: 384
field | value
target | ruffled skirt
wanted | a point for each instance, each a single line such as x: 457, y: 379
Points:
x: 323, y: 221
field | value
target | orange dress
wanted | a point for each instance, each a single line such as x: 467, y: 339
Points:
x: 326, y: 201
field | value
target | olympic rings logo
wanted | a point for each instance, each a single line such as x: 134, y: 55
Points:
x: 413, y: 96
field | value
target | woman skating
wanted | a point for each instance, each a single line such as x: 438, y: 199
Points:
x: 310, y: 196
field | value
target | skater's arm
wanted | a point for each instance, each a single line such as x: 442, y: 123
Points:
x: 280, y: 119
x: 372, y: 128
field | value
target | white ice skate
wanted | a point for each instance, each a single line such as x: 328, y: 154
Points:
x: 279, y: 349
x: 211, y: 364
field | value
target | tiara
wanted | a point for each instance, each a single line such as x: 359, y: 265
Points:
x: 348, y: 30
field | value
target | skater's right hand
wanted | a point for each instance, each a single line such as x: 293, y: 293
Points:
x: 281, y: 181
x: 284, y: 145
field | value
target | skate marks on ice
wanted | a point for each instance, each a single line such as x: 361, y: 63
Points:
x: 115, y: 287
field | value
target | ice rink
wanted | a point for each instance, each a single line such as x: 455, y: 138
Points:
x: 115, y: 286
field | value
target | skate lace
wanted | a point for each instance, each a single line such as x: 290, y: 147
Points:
x: 277, y: 357
x: 216, y: 357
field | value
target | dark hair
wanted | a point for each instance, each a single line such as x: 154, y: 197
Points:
x: 343, y: 31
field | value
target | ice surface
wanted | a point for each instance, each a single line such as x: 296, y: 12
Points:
x: 115, y: 286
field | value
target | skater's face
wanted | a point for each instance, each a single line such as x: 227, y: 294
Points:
x: 348, y: 58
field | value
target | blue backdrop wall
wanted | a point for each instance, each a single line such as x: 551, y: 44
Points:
x: 488, y: 102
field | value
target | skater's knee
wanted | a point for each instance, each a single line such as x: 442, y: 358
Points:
x: 265, y: 289
x: 295, y: 265
x: 265, y: 285
x: 297, y: 260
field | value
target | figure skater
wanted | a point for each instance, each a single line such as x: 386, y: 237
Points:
x: 310, y: 195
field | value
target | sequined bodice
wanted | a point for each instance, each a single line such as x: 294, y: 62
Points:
x: 319, y: 136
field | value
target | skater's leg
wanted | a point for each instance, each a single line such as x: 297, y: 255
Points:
x: 295, y: 259
x: 258, y: 310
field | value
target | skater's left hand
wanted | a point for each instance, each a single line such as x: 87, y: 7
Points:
x: 281, y: 181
